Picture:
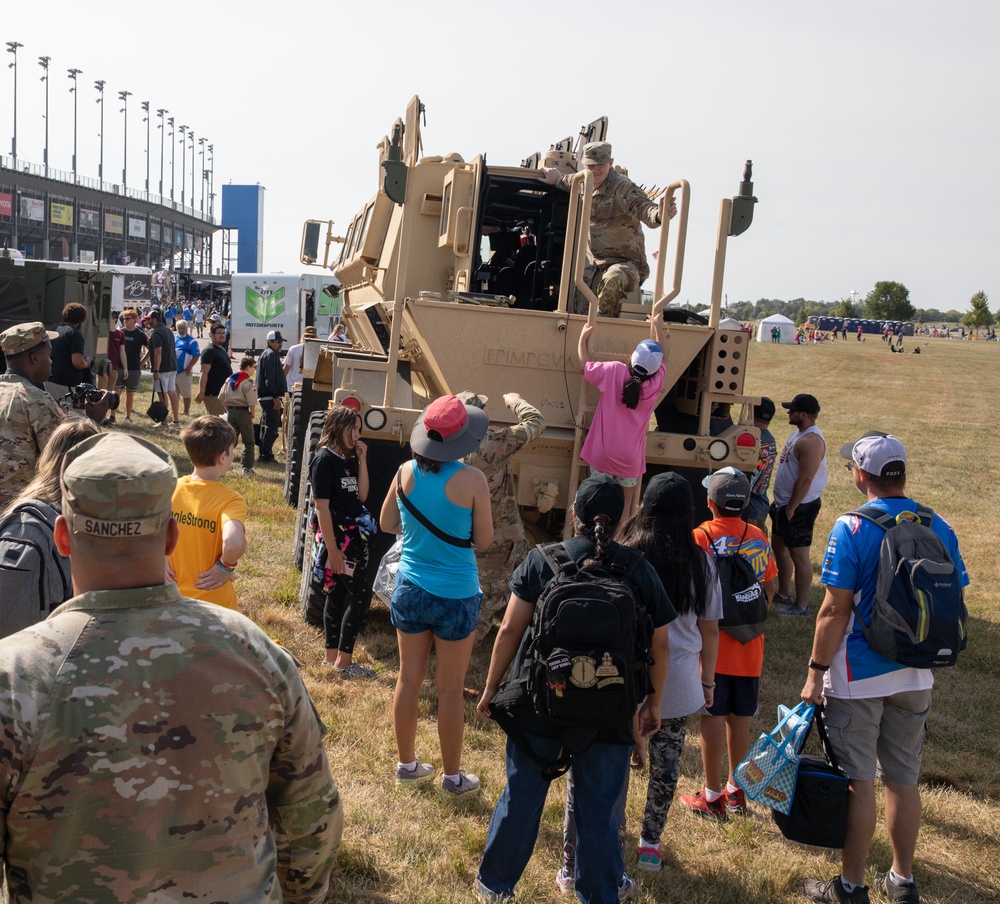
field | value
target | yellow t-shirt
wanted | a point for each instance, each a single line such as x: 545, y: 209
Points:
x: 201, y: 508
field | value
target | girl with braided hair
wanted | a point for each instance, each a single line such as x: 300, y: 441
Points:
x: 616, y: 441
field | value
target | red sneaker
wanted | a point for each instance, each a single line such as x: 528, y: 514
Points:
x: 700, y: 805
x: 736, y: 802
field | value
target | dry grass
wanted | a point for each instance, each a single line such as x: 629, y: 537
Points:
x: 414, y: 848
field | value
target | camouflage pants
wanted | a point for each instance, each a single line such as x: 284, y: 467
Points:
x: 496, y: 564
x: 611, y: 284
x: 665, y: 748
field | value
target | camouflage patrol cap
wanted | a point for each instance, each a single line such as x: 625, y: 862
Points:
x: 24, y: 337
x: 468, y: 397
x: 115, y: 485
x: 596, y: 153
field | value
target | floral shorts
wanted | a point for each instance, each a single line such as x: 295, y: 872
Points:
x: 624, y: 481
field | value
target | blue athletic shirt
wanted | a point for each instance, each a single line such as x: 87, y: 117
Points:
x: 851, y: 563
x: 432, y: 564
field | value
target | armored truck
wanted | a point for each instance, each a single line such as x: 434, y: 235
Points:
x: 33, y: 290
x: 457, y: 274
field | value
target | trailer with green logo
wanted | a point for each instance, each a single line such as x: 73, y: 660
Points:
x: 283, y: 302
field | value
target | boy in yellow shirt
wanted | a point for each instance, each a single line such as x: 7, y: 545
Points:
x: 210, y: 516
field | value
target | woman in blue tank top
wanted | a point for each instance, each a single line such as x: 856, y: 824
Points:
x: 441, y: 507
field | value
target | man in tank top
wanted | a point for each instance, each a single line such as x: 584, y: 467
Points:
x: 798, y: 485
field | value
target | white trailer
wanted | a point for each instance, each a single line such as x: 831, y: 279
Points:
x: 285, y: 302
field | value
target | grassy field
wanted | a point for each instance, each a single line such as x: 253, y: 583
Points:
x: 403, y: 848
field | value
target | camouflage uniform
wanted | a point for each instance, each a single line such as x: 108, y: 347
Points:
x: 497, y: 562
x: 28, y: 415
x: 157, y: 748
x: 616, y: 261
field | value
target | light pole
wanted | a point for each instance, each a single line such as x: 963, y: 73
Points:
x: 161, y: 113
x: 170, y: 122
x: 145, y: 119
x: 73, y: 73
x: 201, y: 144
x: 191, y: 137
x: 211, y: 181
x: 123, y: 96
x: 99, y: 85
x: 12, y: 48
x: 43, y: 61
x: 182, y: 130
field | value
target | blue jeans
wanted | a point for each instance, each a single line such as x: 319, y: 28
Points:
x: 600, y: 773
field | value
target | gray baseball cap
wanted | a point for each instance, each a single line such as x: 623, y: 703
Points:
x: 728, y: 489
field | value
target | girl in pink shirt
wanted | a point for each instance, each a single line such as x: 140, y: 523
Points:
x: 616, y: 442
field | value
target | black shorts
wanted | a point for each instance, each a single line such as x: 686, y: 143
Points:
x: 132, y: 380
x: 799, y: 531
x: 735, y: 695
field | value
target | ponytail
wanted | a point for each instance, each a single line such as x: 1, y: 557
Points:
x: 632, y: 390
x: 601, y: 531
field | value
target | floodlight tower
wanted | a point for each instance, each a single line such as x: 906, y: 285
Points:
x: 12, y: 47
x: 73, y: 73
x: 43, y: 61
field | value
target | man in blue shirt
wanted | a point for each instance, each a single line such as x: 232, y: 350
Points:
x: 876, y: 709
x: 188, y: 352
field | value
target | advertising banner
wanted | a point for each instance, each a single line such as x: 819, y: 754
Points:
x: 32, y: 209
x: 114, y: 223
x: 178, y: 238
x: 89, y: 219
x: 136, y: 228
x: 188, y: 240
x: 62, y: 214
x: 154, y: 230
x: 6, y: 205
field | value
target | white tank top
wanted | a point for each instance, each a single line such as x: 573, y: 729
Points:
x: 788, y: 470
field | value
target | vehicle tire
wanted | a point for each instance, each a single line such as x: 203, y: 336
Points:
x: 384, y: 458
x: 311, y: 440
x: 293, y: 452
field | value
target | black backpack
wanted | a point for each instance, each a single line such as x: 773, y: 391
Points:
x: 583, y: 663
x: 34, y: 578
x: 744, y: 602
x: 918, y: 614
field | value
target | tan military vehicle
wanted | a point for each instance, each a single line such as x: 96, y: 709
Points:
x: 458, y: 274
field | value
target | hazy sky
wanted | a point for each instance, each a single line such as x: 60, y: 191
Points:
x: 873, y: 124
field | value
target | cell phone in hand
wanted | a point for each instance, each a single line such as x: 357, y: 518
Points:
x: 349, y: 568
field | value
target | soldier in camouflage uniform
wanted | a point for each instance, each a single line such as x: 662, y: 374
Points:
x: 616, y: 260
x: 152, y: 747
x: 28, y: 414
x: 497, y: 561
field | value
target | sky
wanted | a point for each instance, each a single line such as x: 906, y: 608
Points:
x: 873, y: 124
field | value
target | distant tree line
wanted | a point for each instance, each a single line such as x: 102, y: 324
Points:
x: 886, y: 301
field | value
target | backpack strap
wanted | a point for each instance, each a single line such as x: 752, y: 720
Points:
x: 425, y: 521
x: 883, y: 519
x: 711, y: 548
x: 558, y: 558
x: 624, y: 561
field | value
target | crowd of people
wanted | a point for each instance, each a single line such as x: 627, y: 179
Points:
x: 156, y: 743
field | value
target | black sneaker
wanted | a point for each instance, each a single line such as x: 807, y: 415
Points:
x: 833, y: 892
x: 904, y: 894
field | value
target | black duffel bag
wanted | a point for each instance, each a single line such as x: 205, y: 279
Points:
x: 819, y: 809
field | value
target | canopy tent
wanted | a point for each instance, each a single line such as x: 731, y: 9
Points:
x: 786, y: 326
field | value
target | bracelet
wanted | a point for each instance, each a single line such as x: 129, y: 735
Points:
x: 813, y: 664
x: 223, y: 567
x: 708, y: 687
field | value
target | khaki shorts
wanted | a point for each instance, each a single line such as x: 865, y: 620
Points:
x: 880, y: 735
x: 184, y: 384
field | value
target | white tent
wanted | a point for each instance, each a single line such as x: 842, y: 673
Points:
x: 786, y: 326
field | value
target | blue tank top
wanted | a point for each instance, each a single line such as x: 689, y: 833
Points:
x: 429, y: 562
